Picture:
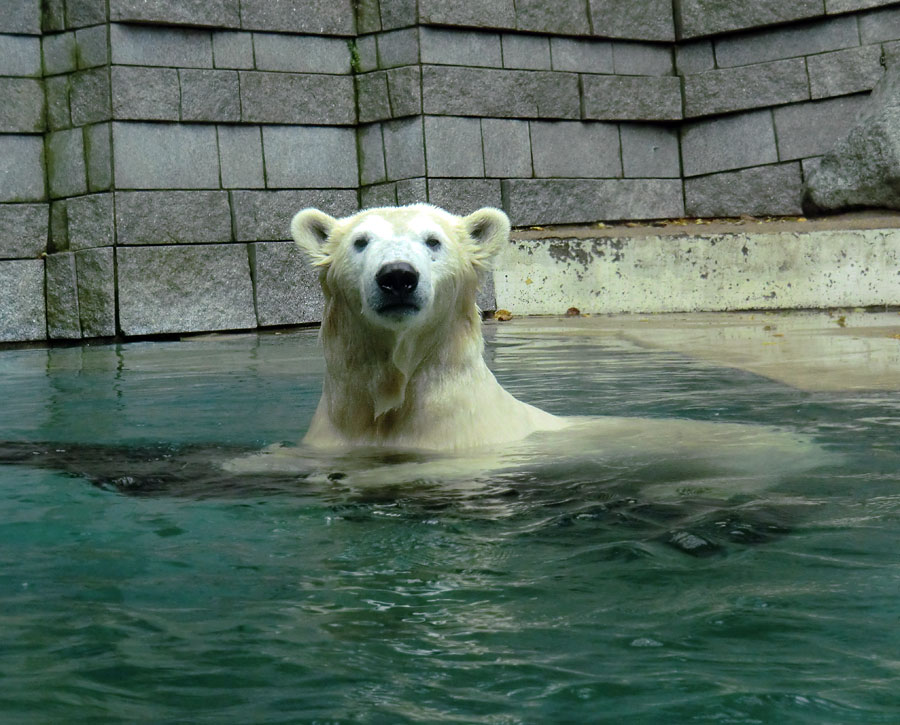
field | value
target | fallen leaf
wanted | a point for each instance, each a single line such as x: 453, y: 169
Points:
x: 503, y: 315
x: 573, y: 312
x: 841, y: 321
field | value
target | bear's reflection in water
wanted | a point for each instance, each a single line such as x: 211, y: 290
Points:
x: 698, y: 487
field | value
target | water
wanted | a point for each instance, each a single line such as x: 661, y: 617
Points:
x: 180, y: 598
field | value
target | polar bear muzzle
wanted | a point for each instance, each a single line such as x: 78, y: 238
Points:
x: 397, y: 282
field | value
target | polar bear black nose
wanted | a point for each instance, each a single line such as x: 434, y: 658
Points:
x: 397, y: 278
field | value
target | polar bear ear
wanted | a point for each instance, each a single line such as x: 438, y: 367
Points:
x: 489, y: 230
x: 310, y: 229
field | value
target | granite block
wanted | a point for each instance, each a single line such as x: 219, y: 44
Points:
x: 172, y: 217
x: 58, y: 51
x: 398, y: 13
x: 694, y: 57
x: 528, y: 52
x: 412, y: 191
x: 59, y: 228
x: 633, y: 19
x: 475, y: 13
x: 583, y: 56
x: 56, y: 89
x: 730, y: 142
x: 22, y: 173
x: 315, y: 98
x: 405, y: 90
x: 575, y: 149
x: 372, y: 96
x: 404, y: 148
x: 266, y: 215
x: 811, y: 129
x: 445, y: 46
x: 190, y: 162
x: 159, y: 46
x: 378, y: 195
x: 463, y: 196
x: 98, y: 156
x: 301, y: 53
x: 650, y: 151
x: 562, y: 17
x: 66, y: 172
x: 844, y: 71
x: 23, y: 230
x: 95, y: 274
x: 22, y: 307
x: 398, y: 47
x: 453, y: 147
x: 368, y: 16
x: 833, y: 7
x: 507, y: 148
x: 21, y: 16
x: 316, y: 17
x: 569, y: 201
x: 454, y: 91
x: 209, y: 95
x: 63, y: 320
x: 91, y: 46
x: 233, y: 50
x: 89, y: 96
x: 22, y: 109
x: 54, y: 15
x: 879, y: 26
x: 214, y: 13
x: 188, y: 288
x: 697, y: 18
x: 286, y: 287
x: 241, y: 158
x: 642, y: 59
x: 89, y: 221
x: 754, y: 86
x: 364, y: 54
x: 311, y: 157
x: 145, y: 94
x: 370, y: 148
x: 764, y: 190
x: 632, y: 98
x: 81, y: 13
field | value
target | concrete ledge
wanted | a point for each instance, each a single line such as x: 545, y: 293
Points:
x: 826, y: 264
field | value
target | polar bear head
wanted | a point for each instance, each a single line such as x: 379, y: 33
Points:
x: 398, y: 268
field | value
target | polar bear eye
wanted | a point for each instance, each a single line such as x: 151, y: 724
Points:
x: 433, y: 243
x: 361, y: 243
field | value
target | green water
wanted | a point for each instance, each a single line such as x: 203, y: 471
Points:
x: 519, y: 600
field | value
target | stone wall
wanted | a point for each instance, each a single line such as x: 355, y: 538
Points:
x: 153, y: 151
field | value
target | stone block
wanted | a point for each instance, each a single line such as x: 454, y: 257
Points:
x: 364, y: 54
x: 642, y: 59
x: 286, y: 287
x: 241, y: 158
x: 568, y: 201
x: 412, y: 191
x: 454, y: 91
x: 398, y: 47
x: 170, y: 47
x: 98, y: 156
x: 190, y: 160
x: 58, y: 50
x: 66, y: 172
x: 463, y: 196
x: 753, y: 86
x: 306, y: 98
x: 372, y: 96
x: 731, y: 142
x: 209, y: 95
x: 584, y: 56
x: 818, y: 36
x: 453, y: 147
x: 92, y: 46
x: 650, y: 151
x: 845, y: 71
x: 54, y: 15
x: 22, y: 109
x: 694, y: 57
x: 370, y: 146
x: 81, y: 13
x: 760, y: 191
x: 21, y: 16
x: 632, y: 98
x: 56, y: 89
x: 89, y: 221
x: 172, y: 217
x: 368, y: 16
x: 301, y: 53
x: 528, y: 52
x: 89, y: 96
x: 378, y: 195
x: 95, y: 274
x: 833, y: 7
x: 398, y: 13
x: 233, y: 50
x: 404, y: 149
x: 59, y: 228
x: 880, y: 26
x: 475, y: 13
x: 445, y: 46
x: 315, y: 17
x: 266, y: 215
x: 22, y: 173
x: 811, y: 129
x: 311, y: 157
x: 575, y: 149
x: 562, y: 17
x: 214, y: 13
x: 184, y: 289
x: 405, y: 90
x: 145, y: 94
x: 23, y: 230
x: 63, y: 320
x: 634, y: 19
x: 22, y: 308
x: 697, y: 18
x: 507, y: 148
